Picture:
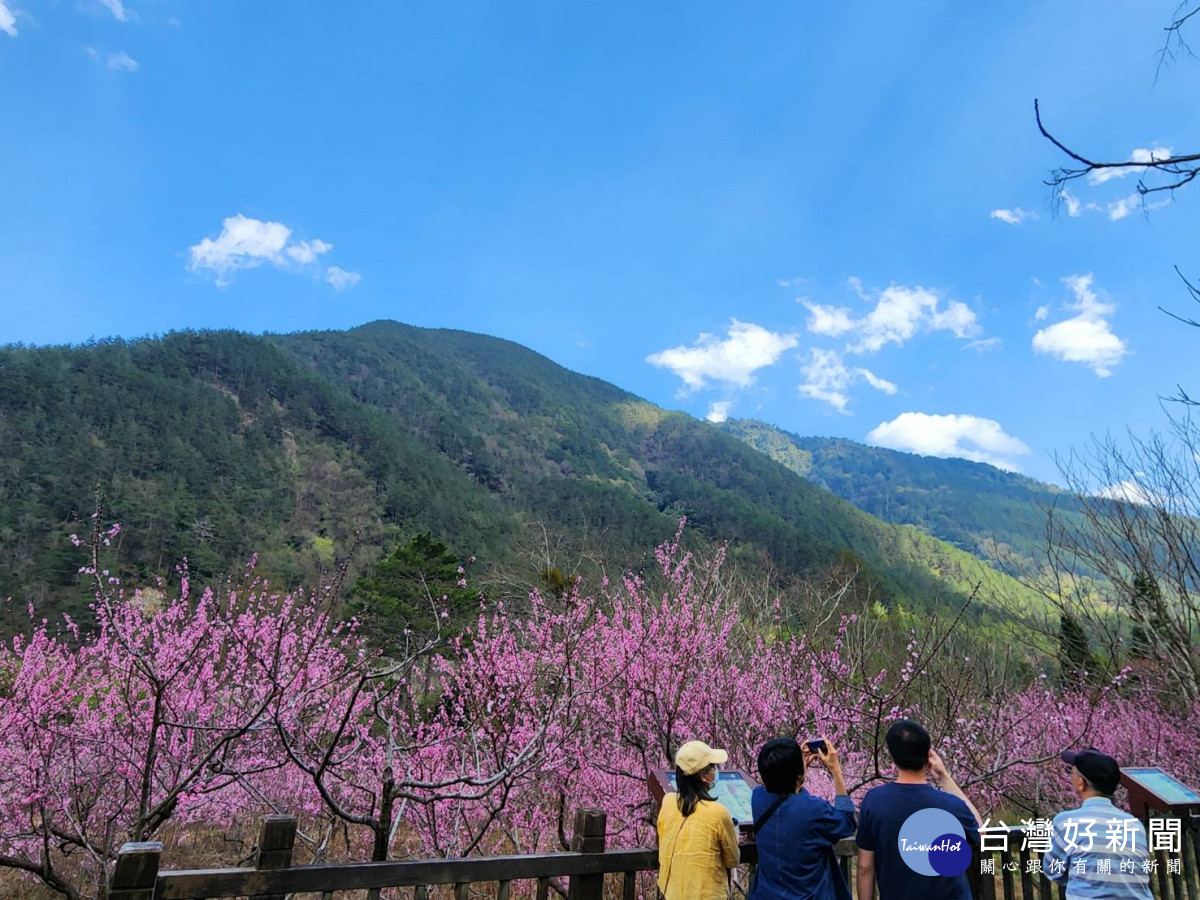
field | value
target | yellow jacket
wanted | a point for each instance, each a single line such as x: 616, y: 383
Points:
x: 694, y: 853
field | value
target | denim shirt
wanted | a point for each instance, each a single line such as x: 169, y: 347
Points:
x: 795, y: 847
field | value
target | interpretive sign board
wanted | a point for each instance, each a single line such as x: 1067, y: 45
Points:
x: 732, y: 790
x: 1151, y: 788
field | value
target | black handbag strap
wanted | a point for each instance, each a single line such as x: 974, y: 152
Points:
x: 762, y: 820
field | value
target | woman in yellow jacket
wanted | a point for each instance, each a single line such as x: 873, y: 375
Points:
x: 697, y: 841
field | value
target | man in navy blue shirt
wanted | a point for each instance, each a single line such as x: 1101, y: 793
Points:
x: 795, y: 831
x: 886, y: 808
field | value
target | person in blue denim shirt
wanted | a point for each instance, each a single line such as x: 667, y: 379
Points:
x: 795, y: 831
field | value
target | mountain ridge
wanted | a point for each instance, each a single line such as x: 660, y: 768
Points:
x: 994, y: 514
x: 212, y: 445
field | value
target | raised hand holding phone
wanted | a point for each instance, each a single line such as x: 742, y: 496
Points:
x: 823, y: 750
x: 939, y: 773
x: 937, y: 768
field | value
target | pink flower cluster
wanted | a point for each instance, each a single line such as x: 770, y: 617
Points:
x: 215, y: 709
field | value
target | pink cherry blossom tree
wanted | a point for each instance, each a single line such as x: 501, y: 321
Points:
x: 205, y: 709
x: 154, y: 716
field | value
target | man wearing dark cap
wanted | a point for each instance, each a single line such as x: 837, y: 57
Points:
x: 1099, y: 852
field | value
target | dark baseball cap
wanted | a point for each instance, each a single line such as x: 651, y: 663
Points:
x: 1100, y: 769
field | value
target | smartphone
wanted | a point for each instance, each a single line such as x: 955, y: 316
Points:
x: 817, y: 746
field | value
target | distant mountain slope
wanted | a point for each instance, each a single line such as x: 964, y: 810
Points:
x: 209, y: 446
x: 976, y: 507
x: 581, y: 445
x: 214, y: 445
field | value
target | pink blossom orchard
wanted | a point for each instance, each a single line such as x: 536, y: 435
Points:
x: 154, y: 718
x: 222, y: 706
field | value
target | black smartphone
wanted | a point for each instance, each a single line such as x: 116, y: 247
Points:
x: 817, y: 746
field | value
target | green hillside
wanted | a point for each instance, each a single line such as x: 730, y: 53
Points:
x: 215, y: 445
x: 992, y: 514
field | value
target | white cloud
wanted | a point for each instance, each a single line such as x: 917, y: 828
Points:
x: 828, y: 379
x: 246, y: 243
x: 305, y: 252
x: 880, y: 384
x: 968, y: 437
x: 341, y: 279
x: 734, y: 360
x: 833, y: 321
x: 8, y: 22
x: 718, y: 411
x: 116, y: 62
x: 1155, y: 153
x: 1042, y: 314
x: 119, y: 11
x: 121, y: 62
x: 899, y: 313
x: 957, y: 318
x: 982, y: 346
x: 1141, y: 154
x: 1119, y: 209
x: 1013, y: 216
x: 1086, y: 337
x: 242, y: 244
x: 1132, y: 491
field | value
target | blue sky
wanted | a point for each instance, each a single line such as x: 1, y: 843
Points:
x: 775, y: 210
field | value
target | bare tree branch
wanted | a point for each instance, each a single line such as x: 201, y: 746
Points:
x: 1181, y: 169
x: 1168, y: 54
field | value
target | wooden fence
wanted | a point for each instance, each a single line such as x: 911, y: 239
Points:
x: 1017, y: 876
x: 589, y: 871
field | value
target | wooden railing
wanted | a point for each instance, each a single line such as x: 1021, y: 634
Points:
x: 1017, y: 876
x: 581, y: 874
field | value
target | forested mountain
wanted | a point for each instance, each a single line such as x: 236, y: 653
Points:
x: 216, y: 445
x: 979, y: 508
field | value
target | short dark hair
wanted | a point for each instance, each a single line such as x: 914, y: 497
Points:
x: 780, y: 763
x: 908, y: 743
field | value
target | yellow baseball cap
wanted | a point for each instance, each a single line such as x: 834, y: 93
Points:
x: 695, y: 756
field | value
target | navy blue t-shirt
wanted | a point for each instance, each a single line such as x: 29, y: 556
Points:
x: 883, y: 811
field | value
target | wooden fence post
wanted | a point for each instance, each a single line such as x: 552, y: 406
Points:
x: 136, y: 871
x: 591, y: 827
x: 276, y: 838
